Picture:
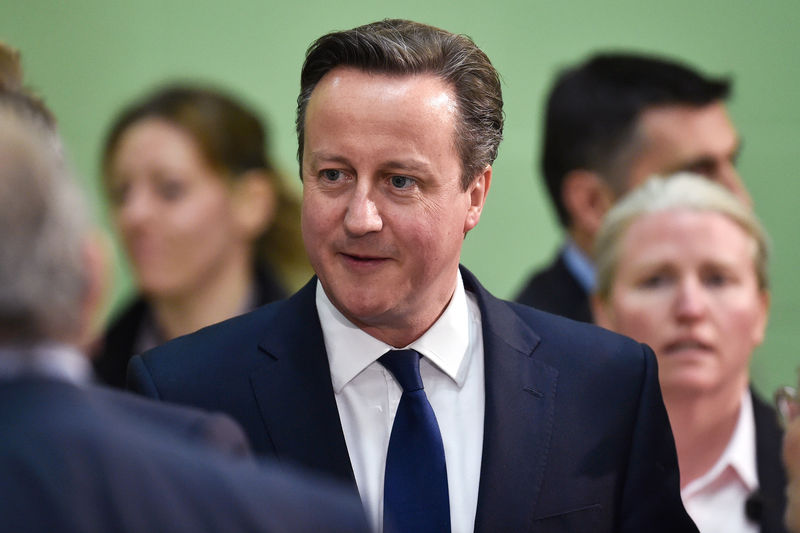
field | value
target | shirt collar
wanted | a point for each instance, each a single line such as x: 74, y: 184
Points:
x: 351, y: 350
x: 739, y: 454
x: 579, y: 265
x: 51, y: 360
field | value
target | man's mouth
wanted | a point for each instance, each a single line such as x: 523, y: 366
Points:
x: 363, y: 259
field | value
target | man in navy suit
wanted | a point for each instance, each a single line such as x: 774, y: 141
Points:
x: 76, y: 457
x: 542, y: 424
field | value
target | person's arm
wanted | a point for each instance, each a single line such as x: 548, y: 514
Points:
x: 651, y: 498
x: 217, y: 430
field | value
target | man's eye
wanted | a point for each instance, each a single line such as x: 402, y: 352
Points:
x: 401, y: 182
x: 331, y: 174
x: 706, y: 168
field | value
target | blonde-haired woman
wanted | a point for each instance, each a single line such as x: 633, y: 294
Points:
x: 682, y: 266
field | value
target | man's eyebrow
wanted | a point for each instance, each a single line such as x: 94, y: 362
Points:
x: 411, y: 165
x: 407, y: 165
x: 703, y: 160
x: 316, y: 157
x: 707, y: 160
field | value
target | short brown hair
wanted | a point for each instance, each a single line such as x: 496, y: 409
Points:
x: 408, y: 48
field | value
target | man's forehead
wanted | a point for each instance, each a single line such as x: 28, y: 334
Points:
x: 668, y: 137
x: 680, y: 122
x: 677, y: 138
x: 356, y: 93
x: 390, y: 83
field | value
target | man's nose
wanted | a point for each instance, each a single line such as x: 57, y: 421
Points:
x: 730, y: 178
x: 362, y: 215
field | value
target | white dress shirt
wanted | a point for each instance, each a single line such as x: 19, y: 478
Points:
x: 367, y: 397
x: 716, y: 500
x: 47, y: 359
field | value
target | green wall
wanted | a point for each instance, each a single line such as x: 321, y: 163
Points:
x: 88, y: 57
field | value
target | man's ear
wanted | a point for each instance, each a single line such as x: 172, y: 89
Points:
x: 477, y: 190
x: 254, y: 201
x: 587, y: 198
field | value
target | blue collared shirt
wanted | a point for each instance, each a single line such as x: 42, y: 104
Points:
x: 579, y: 265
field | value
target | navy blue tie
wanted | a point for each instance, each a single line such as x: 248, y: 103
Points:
x: 415, y: 496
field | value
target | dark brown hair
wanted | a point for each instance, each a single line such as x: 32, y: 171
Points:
x: 404, y: 47
x: 233, y: 141
x: 593, y: 110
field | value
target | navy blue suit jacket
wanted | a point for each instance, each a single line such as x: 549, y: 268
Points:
x: 576, y: 437
x: 88, y: 459
x: 556, y: 290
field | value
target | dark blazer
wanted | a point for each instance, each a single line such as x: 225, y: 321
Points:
x: 118, y: 343
x: 554, y: 289
x: 576, y: 437
x: 769, y: 504
x: 85, y: 459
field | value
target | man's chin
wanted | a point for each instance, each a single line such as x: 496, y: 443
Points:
x: 366, y: 314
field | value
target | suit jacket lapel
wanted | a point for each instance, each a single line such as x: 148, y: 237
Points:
x: 520, y: 405
x: 294, y: 392
x: 295, y: 397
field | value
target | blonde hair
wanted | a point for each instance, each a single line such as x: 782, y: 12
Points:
x: 683, y: 191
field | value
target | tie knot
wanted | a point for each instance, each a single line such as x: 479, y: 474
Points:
x: 404, y: 366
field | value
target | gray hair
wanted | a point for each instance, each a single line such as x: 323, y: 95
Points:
x: 43, y: 226
x: 683, y: 191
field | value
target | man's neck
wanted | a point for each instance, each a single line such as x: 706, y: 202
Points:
x: 49, y: 359
x: 583, y: 240
x: 580, y: 266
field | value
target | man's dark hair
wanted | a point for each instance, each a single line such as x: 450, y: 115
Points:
x: 402, y: 47
x: 592, y: 112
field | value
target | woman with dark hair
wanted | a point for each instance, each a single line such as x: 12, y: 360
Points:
x: 209, y: 228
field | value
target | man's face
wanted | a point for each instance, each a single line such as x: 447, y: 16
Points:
x: 685, y: 138
x: 384, y: 214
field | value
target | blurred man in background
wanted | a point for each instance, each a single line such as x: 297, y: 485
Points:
x: 612, y: 122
